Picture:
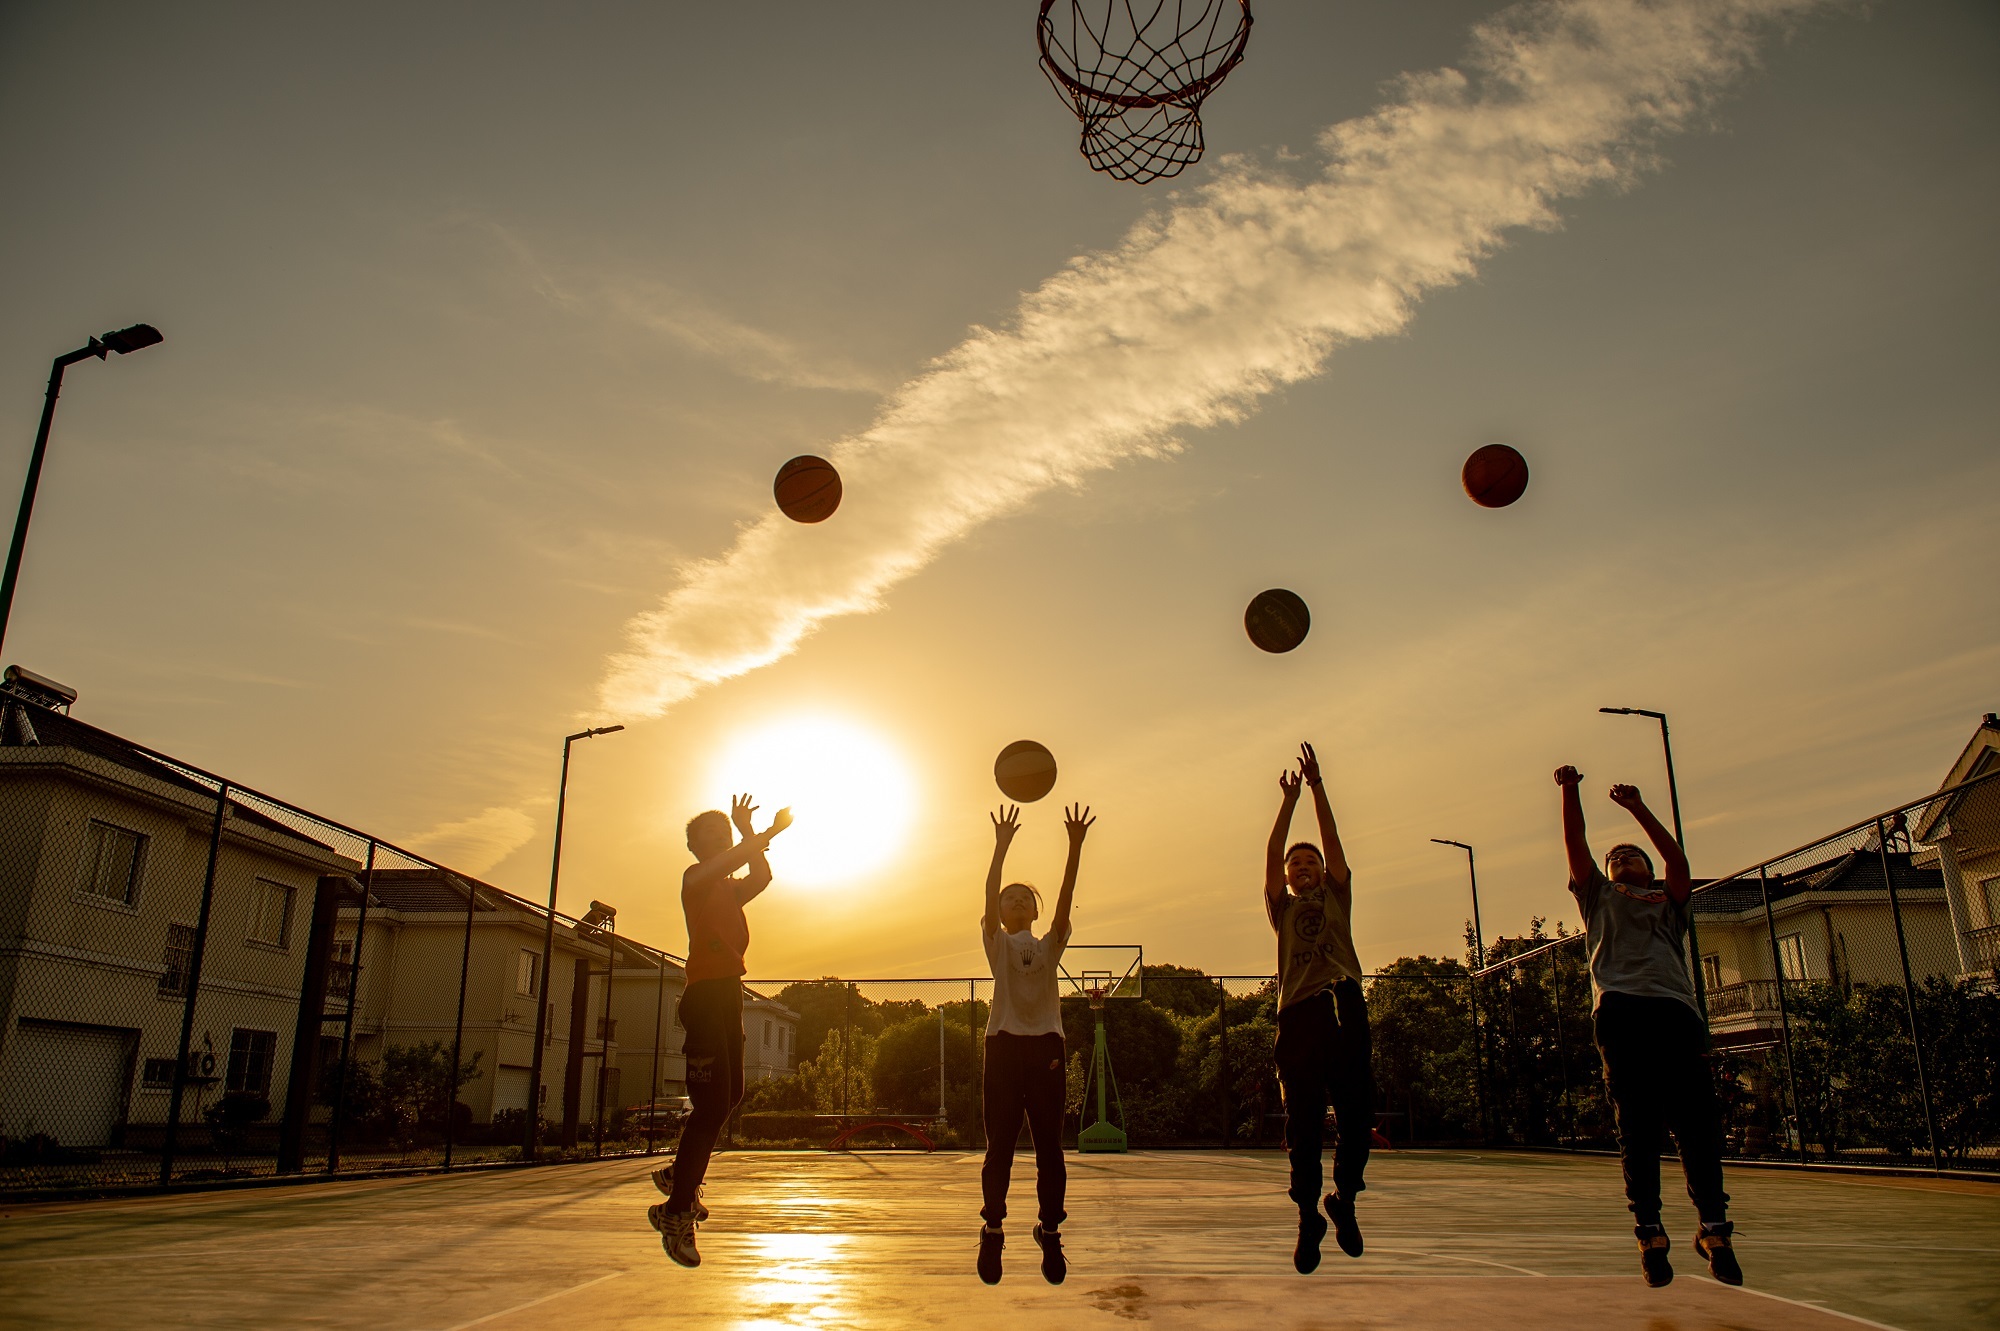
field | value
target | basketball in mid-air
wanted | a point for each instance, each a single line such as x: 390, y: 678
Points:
x: 807, y: 489
x: 1495, y: 476
x: 1025, y: 770
x: 1277, y: 620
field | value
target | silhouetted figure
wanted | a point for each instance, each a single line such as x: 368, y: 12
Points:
x: 1324, y: 1048
x: 1026, y: 1069
x: 712, y: 1005
x: 1652, y: 1037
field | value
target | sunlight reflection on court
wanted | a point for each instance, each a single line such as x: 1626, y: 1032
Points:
x: 798, y: 1281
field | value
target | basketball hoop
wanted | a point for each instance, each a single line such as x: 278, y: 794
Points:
x: 1136, y: 75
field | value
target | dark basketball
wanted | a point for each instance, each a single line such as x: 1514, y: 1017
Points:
x: 1277, y: 620
x: 1025, y: 770
x: 1495, y: 476
x: 808, y: 489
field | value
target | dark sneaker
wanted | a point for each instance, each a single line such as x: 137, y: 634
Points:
x: 663, y: 1179
x: 1345, y: 1231
x: 1712, y: 1242
x: 991, y: 1241
x: 1653, y: 1261
x: 1305, y: 1256
x: 676, y: 1233
x: 1054, y: 1265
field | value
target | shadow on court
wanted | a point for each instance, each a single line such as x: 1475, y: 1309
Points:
x: 887, y: 1240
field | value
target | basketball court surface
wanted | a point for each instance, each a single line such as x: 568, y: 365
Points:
x: 886, y: 1240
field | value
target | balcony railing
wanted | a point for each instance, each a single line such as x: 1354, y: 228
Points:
x: 1747, y: 998
x: 1982, y: 947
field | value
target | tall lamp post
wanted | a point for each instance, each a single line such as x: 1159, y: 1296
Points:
x: 532, y: 1132
x: 124, y: 342
x: 1479, y: 957
x: 1674, y: 799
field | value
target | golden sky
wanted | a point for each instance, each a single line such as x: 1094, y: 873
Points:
x: 486, y: 332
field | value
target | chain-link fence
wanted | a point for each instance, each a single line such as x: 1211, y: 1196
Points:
x: 201, y: 982
x: 1853, y: 1008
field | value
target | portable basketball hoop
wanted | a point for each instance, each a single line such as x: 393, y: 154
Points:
x: 1099, y: 974
x: 1136, y: 73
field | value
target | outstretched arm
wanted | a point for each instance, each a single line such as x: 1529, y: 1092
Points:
x: 1679, y: 884
x: 712, y: 871
x: 1337, y: 871
x: 759, y: 876
x: 1274, y: 853
x: 1576, y: 846
x: 1076, y: 821
x: 1005, y: 824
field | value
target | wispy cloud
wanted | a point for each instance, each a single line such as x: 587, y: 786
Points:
x: 1246, y: 285
x: 474, y: 845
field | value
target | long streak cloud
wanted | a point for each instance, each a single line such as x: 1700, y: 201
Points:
x: 1239, y: 288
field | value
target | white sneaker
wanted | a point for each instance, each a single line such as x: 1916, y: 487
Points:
x: 663, y: 1179
x: 676, y: 1233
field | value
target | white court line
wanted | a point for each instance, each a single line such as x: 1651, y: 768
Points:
x: 1455, y: 1257
x: 1816, y: 1307
x: 532, y: 1303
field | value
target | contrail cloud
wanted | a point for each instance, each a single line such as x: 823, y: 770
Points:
x: 1246, y: 285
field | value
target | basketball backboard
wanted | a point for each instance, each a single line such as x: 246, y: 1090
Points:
x: 1115, y: 970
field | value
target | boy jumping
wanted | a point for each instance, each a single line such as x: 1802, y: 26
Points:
x: 1652, y: 1037
x: 712, y: 1005
x: 1323, y: 1044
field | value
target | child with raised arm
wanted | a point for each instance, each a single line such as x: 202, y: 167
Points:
x: 712, y: 898
x: 1026, y: 1071
x: 1324, y: 1049
x: 1653, y: 1039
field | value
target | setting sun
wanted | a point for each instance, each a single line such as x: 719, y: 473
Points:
x: 848, y: 789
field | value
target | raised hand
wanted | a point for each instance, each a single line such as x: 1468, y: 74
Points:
x: 780, y: 820
x: 1308, y: 764
x: 1006, y: 823
x: 1077, y: 821
x: 1567, y: 775
x: 1626, y: 797
x: 1289, y: 783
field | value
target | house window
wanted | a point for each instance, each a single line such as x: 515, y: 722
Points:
x: 180, y: 961
x: 1792, y: 955
x: 250, y: 1057
x: 548, y: 1026
x: 677, y: 1012
x: 1990, y: 889
x: 340, y: 969
x: 111, y: 863
x: 1711, y: 971
x: 527, y: 972
x: 158, y: 1074
x: 767, y: 1035
x: 272, y: 921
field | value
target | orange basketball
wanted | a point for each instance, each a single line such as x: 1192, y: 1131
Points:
x: 1025, y: 770
x: 1495, y: 476
x: 1277, y: 620
x: 807, y: 489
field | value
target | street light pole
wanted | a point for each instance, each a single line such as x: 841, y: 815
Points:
x: 1479, y: 956
x: 532, y: 1132
x: 124, y: 341
x: 1674, y: 799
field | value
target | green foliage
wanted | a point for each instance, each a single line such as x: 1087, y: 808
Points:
x: 406, y: 1095
x: 1422, y: 1027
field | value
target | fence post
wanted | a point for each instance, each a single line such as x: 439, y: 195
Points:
x: 458, y: 1027
x: 1478, y: 1060
x: 1222, y: 1056
x: 1909, y: 994
x: 1562, y: 1043
x: 978, y: 1063
x: 846, y: 1040
x: 653, y: 1096
x: 1784, y: 1008
x: 170, y: 1145
x: 347, y: 1021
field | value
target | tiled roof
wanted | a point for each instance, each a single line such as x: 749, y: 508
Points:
x: 1858, y: 870
x: 418, y: 891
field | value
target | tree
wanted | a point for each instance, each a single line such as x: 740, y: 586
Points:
x: 1421, y: 1019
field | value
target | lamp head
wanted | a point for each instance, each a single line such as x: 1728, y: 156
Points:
x: 136, y: 338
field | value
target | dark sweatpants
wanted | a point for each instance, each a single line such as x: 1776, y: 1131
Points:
x: 1025, y: 1076
x: 1324, y: 1054
x: 1656, y: 1068
x: 712, y: 1013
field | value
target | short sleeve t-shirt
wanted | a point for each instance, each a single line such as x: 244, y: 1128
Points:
x: 1315, y: 944
x: 1636, y: 937
x: 1026, y: 997
x: 718, y: 933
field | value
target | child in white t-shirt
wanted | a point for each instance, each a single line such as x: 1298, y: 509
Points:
x: 1025, y: 1064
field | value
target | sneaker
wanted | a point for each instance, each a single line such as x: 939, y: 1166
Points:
x: 1345, y: 1231
x: 1653, y: 1263
x: 1054, y: 1265
x: 676, y: 1233
x: 663, y: 1179
x: 991, y: 1241
x: 1305, y: 1256
x: 1712, y: 1242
